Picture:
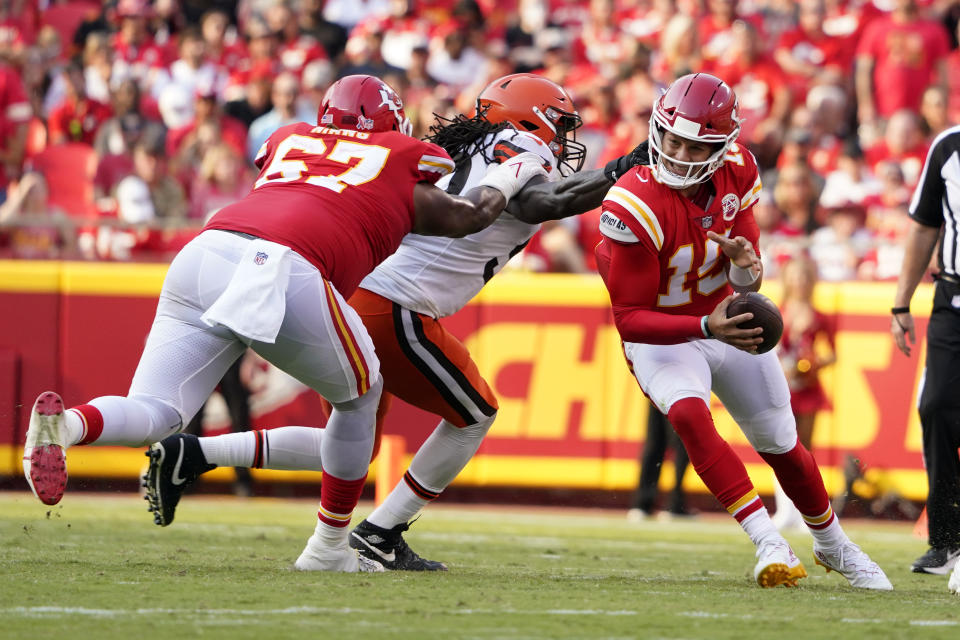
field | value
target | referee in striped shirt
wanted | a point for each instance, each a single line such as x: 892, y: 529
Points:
x: 935, y: 207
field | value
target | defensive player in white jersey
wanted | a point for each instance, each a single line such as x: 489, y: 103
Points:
x: 402, y: 300
x: 679, y: 239
x: 270, y: 272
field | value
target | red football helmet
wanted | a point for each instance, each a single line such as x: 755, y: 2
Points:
x: 532, y: 103
x: 363, y: 103
x: 696, y: 107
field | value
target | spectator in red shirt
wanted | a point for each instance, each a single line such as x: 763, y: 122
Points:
x: 29, y: 227
x: 763, y: 96
x: 796, y: 194
x: 810, y: 56
x: 679, y: 50
x: 116, y: 139
x: 296, y: 48
x: 262, y: 59
x: 15, y: 114
x: 136, y: 53
x: 903, y: 142
x: 953, y: 81
x: 898, y: 56
x: 17, y: 28
x: 192, y: 67
x: 222, y: 180
x: 206, y: 109
x: 220, y: 40
x: 935, y: 112
x: 716, y: 27
x: 602, y: 43
x: 77, y: 117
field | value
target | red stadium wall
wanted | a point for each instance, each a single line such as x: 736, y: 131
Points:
x: 570, y: 416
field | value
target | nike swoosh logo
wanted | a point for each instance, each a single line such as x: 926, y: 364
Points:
x: 389, y: 557
x: 177, y: 478
x: 642, y: 179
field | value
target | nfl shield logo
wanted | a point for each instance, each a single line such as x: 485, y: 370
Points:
x: 706, y: 222
x: 260, y: 258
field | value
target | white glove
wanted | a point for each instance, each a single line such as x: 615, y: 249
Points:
x: 510, y: 176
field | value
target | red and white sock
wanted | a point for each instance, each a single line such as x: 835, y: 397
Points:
x: 800, y: 478
x: 338, y: 499
x: 84, y: 424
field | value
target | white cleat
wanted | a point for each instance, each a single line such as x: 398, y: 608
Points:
x: 317, y: 557
x: 777, y: 565
x: 853, y: 564
x: 954, y: 583
x: 44, y: 460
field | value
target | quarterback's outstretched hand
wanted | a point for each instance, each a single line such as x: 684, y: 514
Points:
x: 739, y: 250
x: 726, y: 330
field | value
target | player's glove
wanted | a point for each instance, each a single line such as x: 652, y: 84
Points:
x: 639, y: 156
x: 510, y: 176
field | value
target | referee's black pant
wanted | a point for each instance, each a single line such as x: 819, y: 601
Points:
x: 940, y: 416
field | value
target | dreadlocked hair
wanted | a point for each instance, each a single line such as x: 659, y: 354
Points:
x: 463, y: 137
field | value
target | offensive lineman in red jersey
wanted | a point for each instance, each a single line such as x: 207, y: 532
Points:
x: 272, y: 272
x: 679, y: 238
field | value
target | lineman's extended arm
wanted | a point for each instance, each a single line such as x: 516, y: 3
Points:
x: 574, y: 194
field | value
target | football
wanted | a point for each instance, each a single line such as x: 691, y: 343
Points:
x: 765, y: 315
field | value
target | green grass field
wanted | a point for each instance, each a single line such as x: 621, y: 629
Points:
x: 97, y: 567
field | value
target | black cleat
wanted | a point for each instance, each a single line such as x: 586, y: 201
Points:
x: 388, y: 547
x: 175, y: 462
x: 937, y: 560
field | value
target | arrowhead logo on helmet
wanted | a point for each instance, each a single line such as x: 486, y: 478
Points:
x: 361, y: 102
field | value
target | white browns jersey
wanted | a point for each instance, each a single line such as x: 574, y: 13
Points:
x: 438, y: 276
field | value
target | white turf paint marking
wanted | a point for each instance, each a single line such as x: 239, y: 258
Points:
x: 112, y: 613
x: 912, y: 623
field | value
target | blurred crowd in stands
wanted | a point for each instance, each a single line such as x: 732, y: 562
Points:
x: 124, y: 124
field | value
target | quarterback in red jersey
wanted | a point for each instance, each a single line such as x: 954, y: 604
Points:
x: 679, y: 239
x: 271, y: 273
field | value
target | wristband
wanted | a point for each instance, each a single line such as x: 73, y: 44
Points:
x: 898, y: 310
x: 740, y: 276
x: 705, y: 327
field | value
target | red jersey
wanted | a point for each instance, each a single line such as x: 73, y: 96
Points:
x: 661, y: 270
x: 906, y: 57
x: 341, y: 199
x: 77, y: 120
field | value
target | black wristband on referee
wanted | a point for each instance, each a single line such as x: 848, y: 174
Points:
x: 898, y: 310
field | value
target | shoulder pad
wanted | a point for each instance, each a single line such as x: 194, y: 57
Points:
x: 642, y: 216
x: 613, y: 227
x: 511, y: 142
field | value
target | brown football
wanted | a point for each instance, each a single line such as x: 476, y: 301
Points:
x: 765, y: 315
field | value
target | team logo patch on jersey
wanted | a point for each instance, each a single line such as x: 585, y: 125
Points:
x: 260, y: 258
x: 730, y: 205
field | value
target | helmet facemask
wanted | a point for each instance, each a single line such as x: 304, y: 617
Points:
x: 570, y: 154
x: 696, y: 172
